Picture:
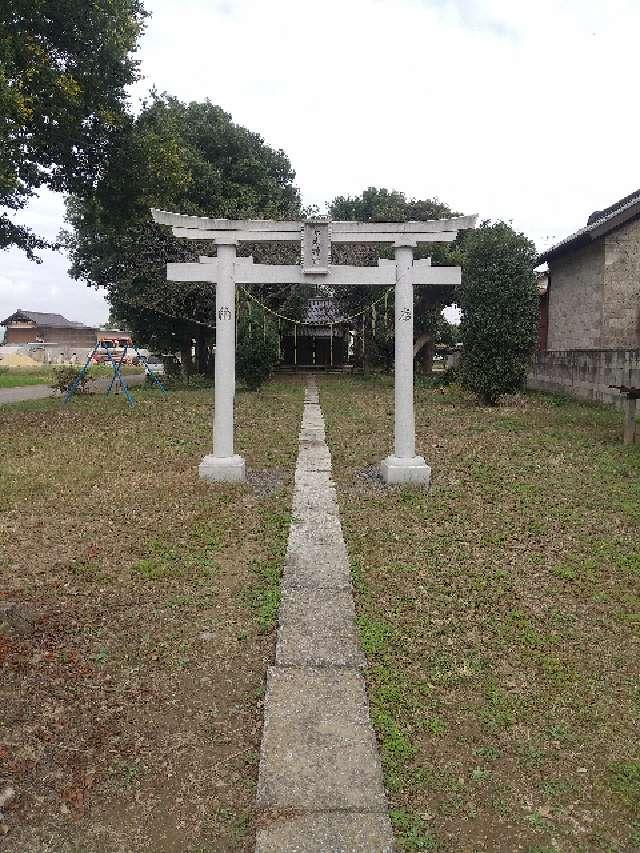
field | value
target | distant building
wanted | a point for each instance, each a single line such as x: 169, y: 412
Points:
x: 114, y: 338
x: 593, y: 294
x: 320, y: 340
x: 30, y: 327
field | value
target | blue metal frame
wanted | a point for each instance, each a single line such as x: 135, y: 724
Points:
x: 113, y: 378
x: 74, y: 385
x: 148, y: 370
x: 117, y: 374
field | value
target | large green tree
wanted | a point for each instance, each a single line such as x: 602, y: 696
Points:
x: 186, y: 157
x: 499, y: 302
x: 64, y: 66
x: 374, y: 343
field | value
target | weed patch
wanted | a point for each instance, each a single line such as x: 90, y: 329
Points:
x: 499, y: 616
x: 131, y: 636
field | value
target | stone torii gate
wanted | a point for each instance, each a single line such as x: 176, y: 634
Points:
x: 315, y: 236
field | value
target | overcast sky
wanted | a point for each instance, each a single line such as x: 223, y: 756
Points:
x: 524, y: 110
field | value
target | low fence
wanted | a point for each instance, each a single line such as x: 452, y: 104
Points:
x: 586, y: 373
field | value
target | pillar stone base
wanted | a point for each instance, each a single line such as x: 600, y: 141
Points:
x: 395, y: 469
x: 222, y: 469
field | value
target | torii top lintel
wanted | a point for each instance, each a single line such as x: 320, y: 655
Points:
x: 257, y: 230
x: 315, y: 237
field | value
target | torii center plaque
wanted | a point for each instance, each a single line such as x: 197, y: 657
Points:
x: 315, y: 250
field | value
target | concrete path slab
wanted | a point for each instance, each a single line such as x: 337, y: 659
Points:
x: 318, y: 748
x: 312, y: 479
x: 320, y: 784
x: 317, y: 530
x: 328, y: 832
x: 312, y: 435
x: 314, y: 501
x: 314, y: 457
x: 316, y: 567
x: 317, y: 629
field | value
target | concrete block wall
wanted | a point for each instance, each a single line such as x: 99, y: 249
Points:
x: 575, y: 299
x: 621, y: 288
x: 586, y: 374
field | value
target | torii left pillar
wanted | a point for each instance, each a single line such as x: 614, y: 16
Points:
x: 223, y: 465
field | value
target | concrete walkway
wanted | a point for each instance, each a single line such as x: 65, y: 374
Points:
x: 320, y: 782
x: 40, y: 392
x: 24, y: 392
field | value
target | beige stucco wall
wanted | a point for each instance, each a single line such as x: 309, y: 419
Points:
x: 621, y: 303
x: 575, y: 299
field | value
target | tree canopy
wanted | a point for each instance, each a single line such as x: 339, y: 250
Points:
x: 384, y: 205
x: 499, y: 302
x: 187, y: 157
x: 64, y: 66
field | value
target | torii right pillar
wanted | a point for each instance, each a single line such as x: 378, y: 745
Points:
x: 404, y: 466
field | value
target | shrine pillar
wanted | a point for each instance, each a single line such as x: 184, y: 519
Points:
x: 404, y: 466
x: 223, y: 465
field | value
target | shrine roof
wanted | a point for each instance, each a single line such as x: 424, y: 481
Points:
x: 323, y: 312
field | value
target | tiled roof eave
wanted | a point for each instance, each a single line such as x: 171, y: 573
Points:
x: 594, y: 231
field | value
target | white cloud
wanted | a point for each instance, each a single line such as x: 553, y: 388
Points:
x: 513, y: 109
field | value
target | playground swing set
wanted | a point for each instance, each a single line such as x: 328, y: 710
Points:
x: 118, y: 378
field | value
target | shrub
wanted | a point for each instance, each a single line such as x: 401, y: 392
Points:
x: 172, y: 367
x: 256, y: 349
x: 195, y: 382
x: 65, y: 375
x: 499, y: 302
x: 448, y: 377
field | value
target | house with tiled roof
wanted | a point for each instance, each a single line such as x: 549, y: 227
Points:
x: 29, y: 327
x: 593, y: 283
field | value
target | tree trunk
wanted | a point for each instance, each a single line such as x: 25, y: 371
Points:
x: 424, y: 346
x: 427, y: 358
x: 202, y: 352
x: 186, y: 357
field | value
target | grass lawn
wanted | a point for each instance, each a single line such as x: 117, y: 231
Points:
x: 136, y: 613
x: 500, y: 614
x: 17, y: 377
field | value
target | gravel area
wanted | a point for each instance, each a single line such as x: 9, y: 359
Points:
x: 265, y: 482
